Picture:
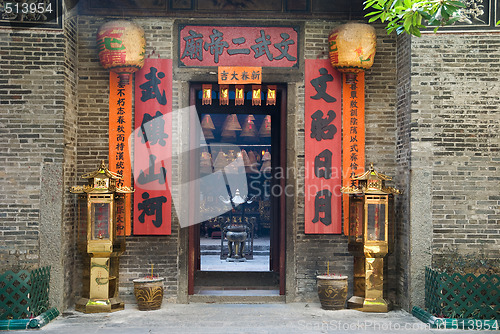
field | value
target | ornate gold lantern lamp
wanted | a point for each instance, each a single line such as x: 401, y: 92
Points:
x: 101, y: 239
x: 371, y: 237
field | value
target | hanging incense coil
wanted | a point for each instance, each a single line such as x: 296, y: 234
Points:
x: 265, y: 128
x: 228, y: 134
x: 252, y: 158
x: 207, y: 123
x: 231, y: 123
x: 266, y: 156
x: 207, y: 134
x: 266, y: 163
x: 250, y: 165
x: 221, y: 160
x: 206, y: 163
x: 249, y: 129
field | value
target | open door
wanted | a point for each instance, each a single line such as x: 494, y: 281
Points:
x: 255, y: 137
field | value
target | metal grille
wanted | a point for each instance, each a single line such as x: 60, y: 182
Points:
x: 24, y: 294
x: 462, y: 296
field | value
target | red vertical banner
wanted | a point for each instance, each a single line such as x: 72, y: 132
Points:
x: 323, y: 209
x: 153, y: 148
x: 353, y: 147
x: 120, y: 128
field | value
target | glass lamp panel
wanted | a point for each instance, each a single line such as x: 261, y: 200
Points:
x: 82, y: 219
x: 376, y: 221
x: 100, y: 220
x: 356, y: 220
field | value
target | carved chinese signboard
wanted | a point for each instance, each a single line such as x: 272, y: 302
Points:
x: 120, y: 129
x: 153, y: 148
x: 32, y: 13
x: 353, y: 147
x: 235, y: 46
x: 323, y: 210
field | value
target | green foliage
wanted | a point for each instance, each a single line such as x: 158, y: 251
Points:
x: 408, y: 15
x: 450, y: 260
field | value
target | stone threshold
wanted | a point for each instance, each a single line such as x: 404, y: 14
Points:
x: 237, y: 299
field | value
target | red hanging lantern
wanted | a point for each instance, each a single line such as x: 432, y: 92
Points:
x: 122, y: 47
x: 352, y: 48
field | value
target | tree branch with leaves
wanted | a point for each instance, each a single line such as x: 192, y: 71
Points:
x: 408, y: 15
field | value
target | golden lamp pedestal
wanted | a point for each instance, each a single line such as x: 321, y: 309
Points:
x: 100, y: 288
x: 371, y: 237
x: 101, y: 239
x: 368, y: 285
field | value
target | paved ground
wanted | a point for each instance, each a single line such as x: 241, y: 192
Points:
x: 238, y: 318
x: 214, y: 263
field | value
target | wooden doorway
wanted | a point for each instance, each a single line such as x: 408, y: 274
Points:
x: 276, y: 184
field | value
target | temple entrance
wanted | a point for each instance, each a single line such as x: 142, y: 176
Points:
x: 237, y: 153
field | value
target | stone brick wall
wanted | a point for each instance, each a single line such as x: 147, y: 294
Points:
x: 70, y: 159
x: 25, y: 139
x: 403, y: 161
x: 38, y: 143
x: 455, y: 146
x: 31, y: 134
x: 456, y: 92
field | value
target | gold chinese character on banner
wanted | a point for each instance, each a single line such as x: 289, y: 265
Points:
x: 256, y: 93
x: 271, y: 95
x: 207, y: 94
x: 224, y: 95
x: 239, y: 99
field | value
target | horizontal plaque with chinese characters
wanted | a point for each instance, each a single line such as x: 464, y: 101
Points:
x: 240, y: 75
x: 238, y: 46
